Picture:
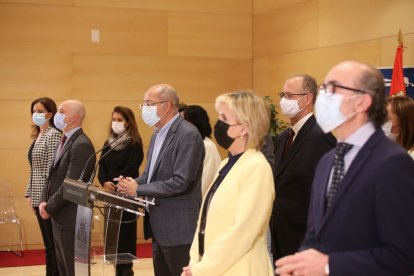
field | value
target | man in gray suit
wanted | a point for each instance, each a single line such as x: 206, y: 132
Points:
x: 173, y: 177
x: 69, y: 160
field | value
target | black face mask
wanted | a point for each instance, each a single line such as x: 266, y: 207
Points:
x: 220, y: 133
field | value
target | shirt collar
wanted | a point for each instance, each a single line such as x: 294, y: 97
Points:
x: 167, y: 126
x: 361, y: 135
x: 299, y: 124
x: 71, y: 132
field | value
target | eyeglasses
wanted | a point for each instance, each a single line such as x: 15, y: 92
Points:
x: 330, y: 88
x: 289, y: 95
x: 150, y: 104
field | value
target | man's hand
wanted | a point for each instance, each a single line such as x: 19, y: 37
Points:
x: 187, y: 271
x: 127, y: 186
x: 42, y: 211
x: 308, y: 263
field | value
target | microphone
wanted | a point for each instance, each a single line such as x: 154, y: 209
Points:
x: 97, y: 163
x: 89, y: 159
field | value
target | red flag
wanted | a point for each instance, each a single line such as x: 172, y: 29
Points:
x: 397, y: 81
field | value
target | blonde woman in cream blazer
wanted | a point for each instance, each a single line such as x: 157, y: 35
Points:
x: 235, y: 211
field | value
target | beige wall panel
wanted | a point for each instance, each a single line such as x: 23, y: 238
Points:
x: 68, y: 29
x: 261, y: 79
x: 208, y: 35
x: 128, y: 77
x: 26, y: 76
x: 212, y: 6
x: 317, y: 62
x: 389, y: 47
x: 351, y: 21
x: 16, y: 131
x: 286, y: 30
x: 39, y: 2
x: 260, y: 6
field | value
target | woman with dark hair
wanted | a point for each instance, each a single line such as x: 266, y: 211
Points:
x: 400, y: 124
x: 198, y: 117
x: 40, y: 155
x: 124, y: 159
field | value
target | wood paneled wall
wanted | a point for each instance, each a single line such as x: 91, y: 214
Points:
x: 310, y: 36
x: 202, y: 48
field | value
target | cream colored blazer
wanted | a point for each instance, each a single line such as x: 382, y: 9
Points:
x: 237, y: 221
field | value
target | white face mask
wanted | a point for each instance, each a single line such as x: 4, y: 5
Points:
x: 149, y: 115
x: 118, y: 127
x: 386, y: 127
x: 327, y: 111
x: 290, y: 108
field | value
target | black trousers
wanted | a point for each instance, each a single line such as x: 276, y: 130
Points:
x: 47, y: 235
x: 169, y: 260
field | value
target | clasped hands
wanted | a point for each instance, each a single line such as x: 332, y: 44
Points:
x: 126, y: 185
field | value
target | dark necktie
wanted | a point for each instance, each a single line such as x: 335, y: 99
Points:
x: 62, y: 142
x: 338, y: 171
x: 289, y: 142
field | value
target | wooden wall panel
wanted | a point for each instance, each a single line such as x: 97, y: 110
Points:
x: 68, y: 29
x: 26, y: 76
x: 212, y: 6
x: 243, y: 7
x: 286, y: 30
x: 260, y: 6
x: 210, y: 35
x: 352, y: 21
x: 127, y: 78
x: 39, y: 2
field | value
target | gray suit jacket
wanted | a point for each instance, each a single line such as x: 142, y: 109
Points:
x: 69, y: 164
x: 175, y: 185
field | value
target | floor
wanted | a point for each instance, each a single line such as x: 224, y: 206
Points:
x: 142, y: 267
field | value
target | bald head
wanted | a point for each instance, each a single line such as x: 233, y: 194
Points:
x: 165, y: 92
x: 75, y: 107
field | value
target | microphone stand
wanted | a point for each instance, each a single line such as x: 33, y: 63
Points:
x: 89, y: 159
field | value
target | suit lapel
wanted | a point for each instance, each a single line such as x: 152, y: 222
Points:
x: 168, y: 139
x: 296, y: 145
x: 352, y: 173
x: 67, y: 146
x: 150, y: 150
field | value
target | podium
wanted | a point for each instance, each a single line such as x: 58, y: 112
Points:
x: 85, y: 195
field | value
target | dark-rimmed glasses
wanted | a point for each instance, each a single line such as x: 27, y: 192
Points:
x: 289, y: 95
x: 150, y: 104
x: 330, y: 88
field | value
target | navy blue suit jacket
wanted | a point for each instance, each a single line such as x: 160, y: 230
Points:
x: 369, y: 228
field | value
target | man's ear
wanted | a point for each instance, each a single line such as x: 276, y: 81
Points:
x: 363, y: 103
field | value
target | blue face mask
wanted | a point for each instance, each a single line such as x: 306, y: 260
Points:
x: 59, y: 121
x: 39, y: 119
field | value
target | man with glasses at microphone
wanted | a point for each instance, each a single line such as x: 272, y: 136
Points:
x: 172, y: 177
x: 70, y: 159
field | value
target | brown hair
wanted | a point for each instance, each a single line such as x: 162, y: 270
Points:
x: 50, y: 106
x: 403, y: 107
x: 129, y: 117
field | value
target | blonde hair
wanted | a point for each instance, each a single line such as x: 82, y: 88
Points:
x: 251, y: 111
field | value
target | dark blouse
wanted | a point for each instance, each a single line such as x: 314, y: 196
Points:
x: 125, y: 161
